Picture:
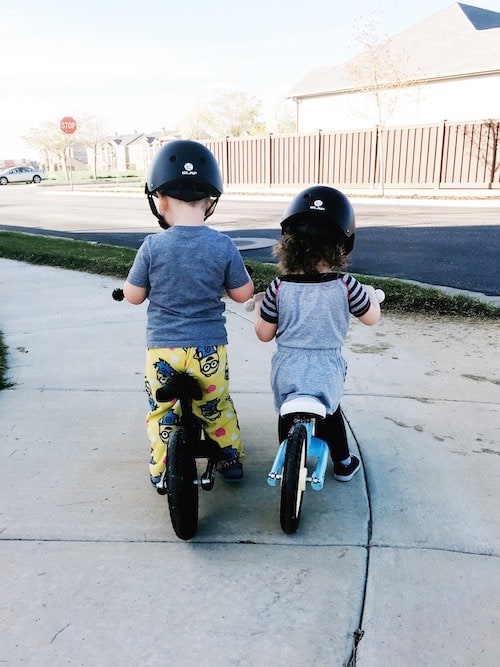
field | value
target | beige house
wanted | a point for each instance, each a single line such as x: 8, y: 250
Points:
x: 72, y: 157
x: 447, y: 67
x: 128, y: 152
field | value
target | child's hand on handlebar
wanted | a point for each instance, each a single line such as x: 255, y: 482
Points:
x: 256, y: 300
x: 376, y: 295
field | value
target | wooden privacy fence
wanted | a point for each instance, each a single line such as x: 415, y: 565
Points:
x: 445, y: 155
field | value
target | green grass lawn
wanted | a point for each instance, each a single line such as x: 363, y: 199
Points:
x: 4, y: 382
x: 401, y: 297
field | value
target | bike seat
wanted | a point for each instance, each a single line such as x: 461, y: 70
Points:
x: 181, y: 386
x: 303, y: 405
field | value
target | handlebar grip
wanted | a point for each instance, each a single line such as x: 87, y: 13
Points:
x: 380, y: 294
x: 118, y: 294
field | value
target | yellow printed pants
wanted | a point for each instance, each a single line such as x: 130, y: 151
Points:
x: 208, y: 365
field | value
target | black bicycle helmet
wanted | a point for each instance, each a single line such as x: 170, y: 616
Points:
x: 185, y: 170
x: 321, y: 211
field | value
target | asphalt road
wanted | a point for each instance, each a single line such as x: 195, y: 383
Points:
x: 450, y: 244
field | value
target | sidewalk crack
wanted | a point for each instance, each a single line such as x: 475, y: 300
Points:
x: 358, y: 634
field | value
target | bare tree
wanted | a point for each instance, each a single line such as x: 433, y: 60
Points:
x: 50, y: 141
x: 195, y: 125
x: 229, y: 114
x: 284, y: 121
x: 91, y: 133
x: 382, y: 73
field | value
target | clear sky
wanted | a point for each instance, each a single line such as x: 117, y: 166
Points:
x: 143, y: 64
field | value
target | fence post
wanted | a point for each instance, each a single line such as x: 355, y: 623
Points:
x: 439, y: 155
x: 226, y: 173
x: 269, y: 166
x: 494, y: 157
x: 319, y: 166
x: 374, y: 156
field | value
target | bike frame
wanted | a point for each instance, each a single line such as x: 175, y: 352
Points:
x: 316, y: 448
x: 185, y: 389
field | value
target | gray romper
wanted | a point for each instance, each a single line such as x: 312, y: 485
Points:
x: 312, y: 315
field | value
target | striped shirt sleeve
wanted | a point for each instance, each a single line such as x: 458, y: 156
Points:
x: 359, y: 301
x: 269, y: 306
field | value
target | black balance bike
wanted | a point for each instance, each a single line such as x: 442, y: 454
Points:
x: 186, y: 444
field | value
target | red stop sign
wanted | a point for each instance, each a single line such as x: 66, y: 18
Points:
x: 68, y: 125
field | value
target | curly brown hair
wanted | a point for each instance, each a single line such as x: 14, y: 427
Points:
x: 300, y: 254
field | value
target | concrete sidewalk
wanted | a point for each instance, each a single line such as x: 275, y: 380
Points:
x: 92, y: 574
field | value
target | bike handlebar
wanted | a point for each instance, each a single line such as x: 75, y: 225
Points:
x: 118, y: 294
x: 250, y: 304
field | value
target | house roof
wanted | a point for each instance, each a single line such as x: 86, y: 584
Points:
x: 125, y: 139
x: 458, y: 41
x: 140, y: 137
x: 162, y: 135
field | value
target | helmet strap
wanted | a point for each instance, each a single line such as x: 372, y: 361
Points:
x: 211, y: 208
x: 163, y: 223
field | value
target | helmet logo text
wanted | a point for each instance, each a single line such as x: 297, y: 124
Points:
x: 317, y: 205
x: 189, y: 169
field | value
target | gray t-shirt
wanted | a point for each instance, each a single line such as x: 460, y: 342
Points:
x: 186, y: 269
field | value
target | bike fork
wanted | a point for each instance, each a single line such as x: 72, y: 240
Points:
x: 207, y: 479
x: 316, y: 448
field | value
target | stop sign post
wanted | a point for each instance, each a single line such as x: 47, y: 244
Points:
x: 68, y: 126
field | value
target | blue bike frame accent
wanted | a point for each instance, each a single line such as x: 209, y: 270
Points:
x: 315, y: 448
x: 274, y: 475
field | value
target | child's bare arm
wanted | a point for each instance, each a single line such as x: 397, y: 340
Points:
x: 372, y: 315
x: 241, y: 294
x: 265, y: 331
x: 134, y: 294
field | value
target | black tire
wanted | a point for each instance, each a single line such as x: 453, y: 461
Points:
x: 3, y: 181
x: 36, y: 179
x: 293, y: 480
x: 182, y: 492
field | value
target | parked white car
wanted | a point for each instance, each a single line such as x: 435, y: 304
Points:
x: 21, y: 175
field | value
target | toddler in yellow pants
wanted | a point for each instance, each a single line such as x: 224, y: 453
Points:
x: 184, y: 271
x: 208, y: 365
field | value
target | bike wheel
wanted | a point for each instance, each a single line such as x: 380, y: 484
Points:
x: 182, y: 491
x: 293, y: 481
